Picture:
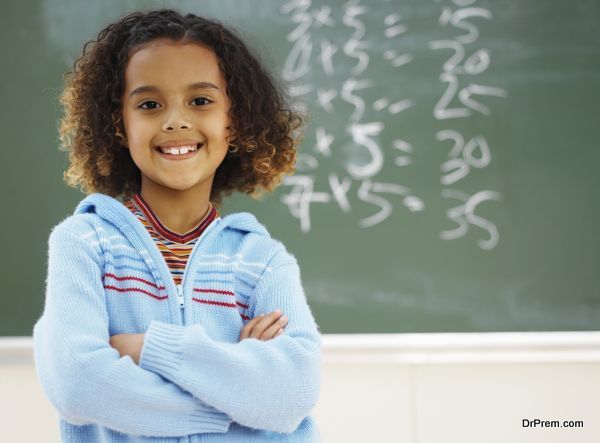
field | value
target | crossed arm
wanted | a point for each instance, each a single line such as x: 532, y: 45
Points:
x: 263, y: 327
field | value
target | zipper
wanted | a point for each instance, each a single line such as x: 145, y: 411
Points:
x: 181, y: 303
x: 180, y: 297
x: 179, y: 287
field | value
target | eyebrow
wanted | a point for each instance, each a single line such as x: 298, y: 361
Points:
x: 149, y: 88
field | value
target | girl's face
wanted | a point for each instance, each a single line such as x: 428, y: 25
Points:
x: 175, y: 115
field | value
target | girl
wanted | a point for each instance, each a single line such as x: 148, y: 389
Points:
x: 163, y: 322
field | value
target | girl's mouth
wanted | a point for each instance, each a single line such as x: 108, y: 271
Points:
x: 179, y: 152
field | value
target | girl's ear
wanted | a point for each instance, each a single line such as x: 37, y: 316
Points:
x: 122, y: 137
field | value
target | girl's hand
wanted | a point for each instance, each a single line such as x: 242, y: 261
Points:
x: 128, y: 344
x: 265, y: 327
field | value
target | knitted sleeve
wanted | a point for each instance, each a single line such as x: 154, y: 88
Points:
x: 270, y: 385
x: 83, y: 376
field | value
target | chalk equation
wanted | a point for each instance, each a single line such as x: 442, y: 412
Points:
x: 334, y: 64
x: 463, y: 98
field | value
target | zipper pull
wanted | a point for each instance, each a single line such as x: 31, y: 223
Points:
x: 180, y: 296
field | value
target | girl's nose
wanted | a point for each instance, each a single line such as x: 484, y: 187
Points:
x: 176, y: 122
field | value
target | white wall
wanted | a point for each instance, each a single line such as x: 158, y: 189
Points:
x: 412, y: 388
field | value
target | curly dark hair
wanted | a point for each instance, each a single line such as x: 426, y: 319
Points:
x: 264, y: 131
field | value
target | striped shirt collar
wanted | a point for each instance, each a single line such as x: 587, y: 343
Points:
x: 165, y: 232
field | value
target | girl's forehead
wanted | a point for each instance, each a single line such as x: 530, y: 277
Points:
x: 164, y: 48
x: 172, y: 62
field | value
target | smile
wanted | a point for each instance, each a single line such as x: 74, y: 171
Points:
x: 180, y: 150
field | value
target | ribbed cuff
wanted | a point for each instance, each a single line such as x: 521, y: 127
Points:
x: 162, y: 354
x: 209, y: 419
x: 163, y: 348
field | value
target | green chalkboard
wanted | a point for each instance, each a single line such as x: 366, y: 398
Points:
x: 448, y: 176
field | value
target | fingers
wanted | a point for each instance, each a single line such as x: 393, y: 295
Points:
x: 264, y: 327
x: 264, y: 323
x: 247, y: 329
x: 245, y: 332
x: 268, y: 327
x: 275, y: 330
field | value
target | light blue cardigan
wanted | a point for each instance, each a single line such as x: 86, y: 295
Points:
x: 195, y: 382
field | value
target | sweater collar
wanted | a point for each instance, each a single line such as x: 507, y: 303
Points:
x: 144, y: 213
x: 112, y: 210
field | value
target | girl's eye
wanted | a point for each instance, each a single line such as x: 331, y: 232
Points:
x: 149, y: 105
x: 200, y: 101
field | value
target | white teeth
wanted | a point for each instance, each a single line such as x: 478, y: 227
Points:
x: 179, y: 151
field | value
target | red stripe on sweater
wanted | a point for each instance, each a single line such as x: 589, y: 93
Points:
x: 219, y: 303
x: 149, y: 283
x: 213, y: 291
x: 114, y: 288
x: 216, y: 303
